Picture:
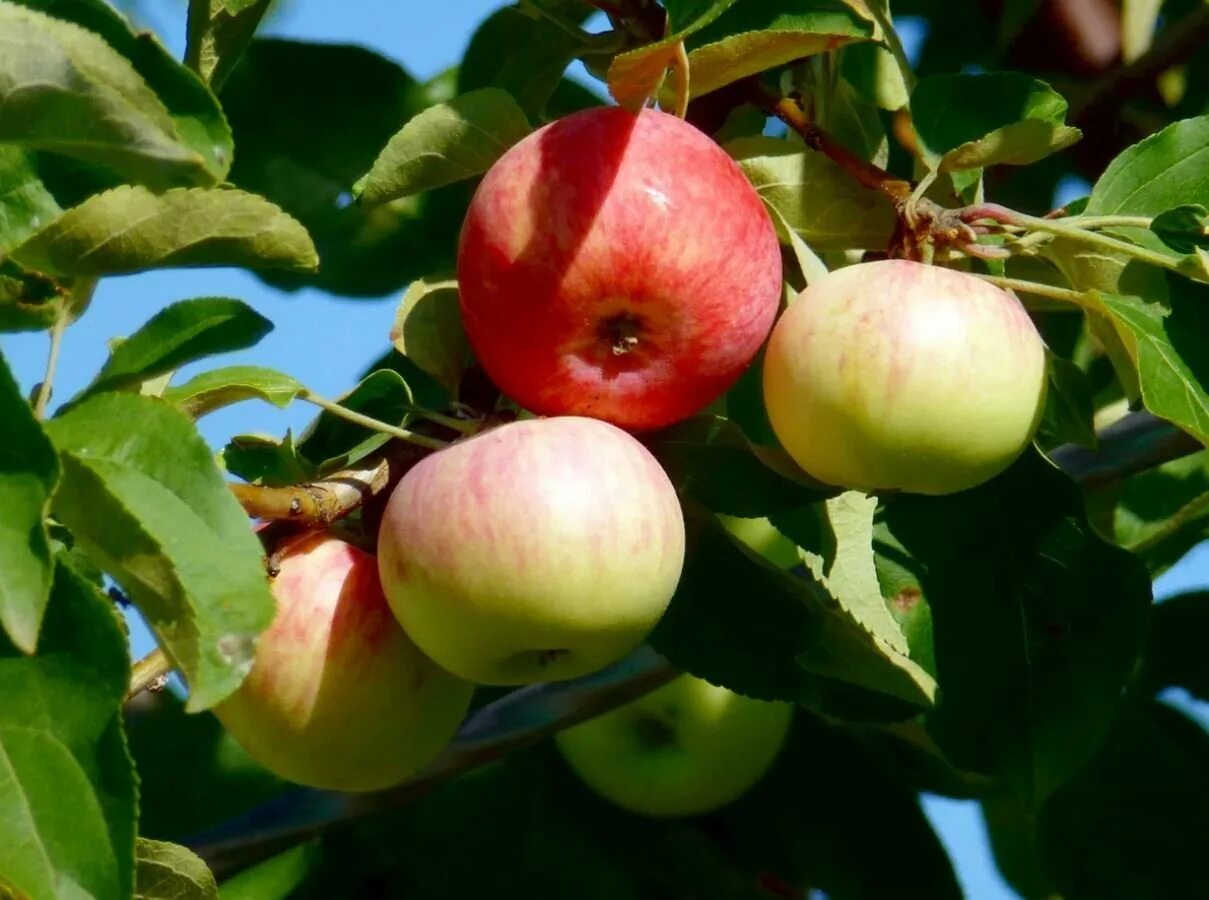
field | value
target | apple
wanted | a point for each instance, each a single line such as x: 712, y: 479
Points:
x: 764, y: 538
x: 618, y: 266
x: 338, y: 696
x: 894, y: 375
x: 686, y: 748
x: 539, y: 550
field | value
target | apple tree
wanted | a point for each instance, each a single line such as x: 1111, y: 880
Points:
x: 757, y: 447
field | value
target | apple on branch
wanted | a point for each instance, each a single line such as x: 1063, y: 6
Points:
x: 539, y: 550
x: 894, y: 375
x: 687, y: 748
x: 617, y: 266
x: 338, y: 696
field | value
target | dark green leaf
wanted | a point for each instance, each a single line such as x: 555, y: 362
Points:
x: 814, y: 196
x: 1169, y: 345
x: 899, y: 577
x: 183, y: 332
x: 445, y: 143
x: 1184, y: 228
x: 708, y: 459
x: 28, y: 301
x: 29, y: 471
x: 1133, y: 823
x: 71, y: 90
x: 143, y: 496
x: 219, y: 33
x: 264, y: 460
x: 332, y: 443
x: 1030, y: 667
x: 1162, y: 513
x: 170, y: 872
x: 1175, y: 654
x: 428, y: 330
x: 305, y: 137
x: 751, y: 37
x: 1160, y: 173
x: 25, y: 203
x: 129, y: 229
x: 973, y: 121
x: 1068, y: 406
x: 1012, y: 831
x: 276, y: 878
x: 217, y: 388
x: 787, y: 640
x: 67, y: 791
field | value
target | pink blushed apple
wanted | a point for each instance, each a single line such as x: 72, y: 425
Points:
x: 539, y: 550
x: 617, y: 266
x: 338, y: 696
x: 894, y: 375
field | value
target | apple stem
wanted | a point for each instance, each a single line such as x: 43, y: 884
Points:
x: 149, y: 673
x: 681, y: 74
x: 420, y: 440
x: 465, y: 426
x: 1066, y: 295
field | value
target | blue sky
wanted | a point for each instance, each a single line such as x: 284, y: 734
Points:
x: 333, y: 342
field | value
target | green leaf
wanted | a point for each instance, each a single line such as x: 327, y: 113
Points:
x: 445, y: 143
x: 67, y: 786
x: 814, y: 196
x: 709, y: 460
x: 264, y: 460
x: 1174, y: 648
x: 752, y: 37
x: 1162, y: 172
x: 142, y: 495
x: 25, y: 203
x: 1012, y: 831
x: 71, y: 90
x: 129, y: 229
x: 182, y: 332
x: 855, y: 123
x: 787, y: 640
x: 1132, y: 823
x: 1014, y: 575
x: 872, y: 71
x: 635, y: 76
x: 428, y: 330
x: 974, y: 121
x: 29, y: 471
x: 28, y: 301
x: 332, y: 443
x: 1168, y: 343
x: 526, y: 56
x: 219, y: 32
x: 277, y: 878
x: 217, y: 388
x: 305, y: 137
x: 1183, y: 228
x: 1162, y: 513
x: 1069, y: 412
x: 171, y: 872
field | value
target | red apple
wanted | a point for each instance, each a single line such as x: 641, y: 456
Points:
x: 537, y: 551
x: 617, y: 266
x: 338, y: 696
x: 894, y: 375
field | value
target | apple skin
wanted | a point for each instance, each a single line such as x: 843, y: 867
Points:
x: 338, y: 696
x: 539, y: 550
x: 894, y: 375
x: 684, y: 749
x: 617, y: 266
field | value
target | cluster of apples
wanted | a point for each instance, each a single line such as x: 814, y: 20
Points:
x: 617, y: 273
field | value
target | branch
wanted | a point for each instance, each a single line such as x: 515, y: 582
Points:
x: 317, y: 503
x: 149, y: 674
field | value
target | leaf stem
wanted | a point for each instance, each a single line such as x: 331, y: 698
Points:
x: 149, y: 671
x: 52, y: 359
x: 421, y: 440
x: 681, y: 76
x: 1066, y: 295
x: 1106, y: 221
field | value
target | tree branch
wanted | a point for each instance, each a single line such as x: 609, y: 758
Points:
x: 318, y: 503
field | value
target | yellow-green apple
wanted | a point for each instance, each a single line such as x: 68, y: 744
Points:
x: 894, y: 375
x: 539, y: 550
x: 338, y: 696
x: 617, y: 266
x: 686, y: 748
x: 760, y: 535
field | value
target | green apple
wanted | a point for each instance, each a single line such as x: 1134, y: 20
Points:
x: 686, y: 748
x: 894, y: 375
x: 338, y: 696
x: 763, y: 537
x: 539, y: 550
